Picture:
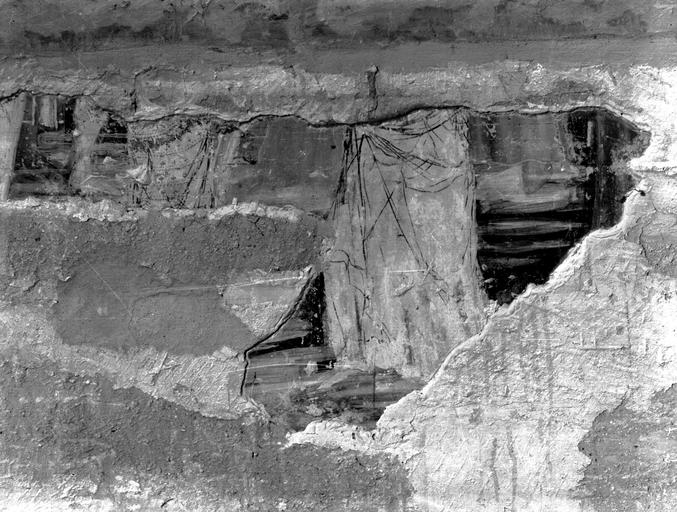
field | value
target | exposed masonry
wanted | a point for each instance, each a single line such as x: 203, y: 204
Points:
x: 537, y: 184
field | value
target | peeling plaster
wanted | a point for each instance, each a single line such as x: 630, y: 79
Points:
x: 535, y: 379
x: 500, y: 424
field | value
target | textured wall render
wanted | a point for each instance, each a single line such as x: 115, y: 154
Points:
x: 97, y: 24
x: 565, y: 399
x: 539, y: 410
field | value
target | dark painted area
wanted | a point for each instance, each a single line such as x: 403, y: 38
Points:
x: 543, y: 182
x: 84, y: 428
x: 184, y: 162
x: 633, y: 456
x: 44, y: 157
x: 604, y: 141
x: 206, y: 163
x: 196, y: 162
x: 101, y: 37
x: 108, y: 171
x: 350, y: 395
x: 421, y: 24
x: 317, y: 389
x: 295, y: 375
x: 46, y: 153
x: 304, y: 329
x: 109, y: 154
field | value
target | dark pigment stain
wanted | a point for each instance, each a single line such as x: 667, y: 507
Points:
x: 543, y: 182
x: 55, y: 425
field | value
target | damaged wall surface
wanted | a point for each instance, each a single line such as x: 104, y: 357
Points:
x: 402, y: 266
x: 338, y: 256
x: 72, y: 24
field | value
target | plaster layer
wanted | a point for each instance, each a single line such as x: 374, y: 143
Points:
x: 75, y: 284
x: 72, y: 25
x: 514, y: 414
x: 402, y: 281
x: 516, y: 417
x: 510, y: 407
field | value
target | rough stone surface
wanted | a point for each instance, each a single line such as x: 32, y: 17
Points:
x: 562, y: 401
